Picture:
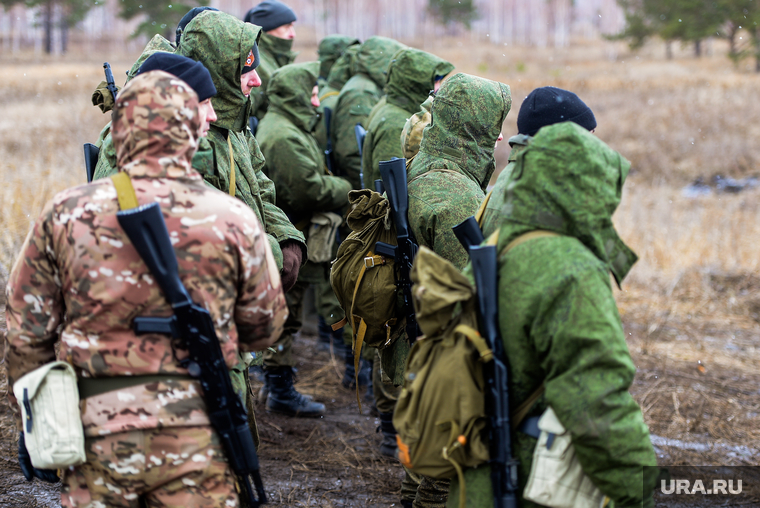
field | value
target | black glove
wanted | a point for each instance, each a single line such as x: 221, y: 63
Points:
x: 25, y: 461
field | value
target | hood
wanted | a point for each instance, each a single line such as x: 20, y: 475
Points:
x: 221, y: 43
x: 466, y: 119
x: 568, y: 181
x: 330, y: 49
x: 155, y: 126
x: 411, y: 77
x: 280, y: 49
x: 374, y: 56
x: 156, y: 44
x: 343, y: 69
x: 289, y: 93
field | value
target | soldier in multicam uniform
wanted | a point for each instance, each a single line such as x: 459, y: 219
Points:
x: 446, y: 182
x: 80, y: 280
x: 305, y: 191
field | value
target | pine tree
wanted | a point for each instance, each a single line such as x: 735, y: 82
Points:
x: 449, y: 12
x: 71, y: 13
x: 161, y: 16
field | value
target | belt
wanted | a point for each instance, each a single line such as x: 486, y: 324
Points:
x: 90, y: 387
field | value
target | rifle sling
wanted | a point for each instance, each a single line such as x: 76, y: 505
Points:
x: 232, y: 165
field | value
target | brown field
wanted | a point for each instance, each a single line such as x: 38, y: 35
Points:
x: 691, y: 307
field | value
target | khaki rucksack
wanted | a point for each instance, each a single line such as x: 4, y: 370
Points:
x: 363, y: 282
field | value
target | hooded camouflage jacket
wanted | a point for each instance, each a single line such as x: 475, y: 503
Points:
x: 492, y: 213
x: 455, y: 162
x: 411, y: 77
x: 293, y: 159
x: 340, y: 73
x: 558, y: 317
x: 222, y: 42
x: 357, y: 98
x: 79, y: 280
x: 331, y: 48
x: 274, y: 53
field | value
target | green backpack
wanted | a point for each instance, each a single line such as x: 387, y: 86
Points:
x: 364, y: 282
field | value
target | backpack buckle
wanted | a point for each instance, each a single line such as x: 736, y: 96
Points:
x: 372, y: 261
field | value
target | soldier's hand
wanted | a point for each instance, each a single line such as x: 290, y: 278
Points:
x: 292, y: 255
x: 30, y: 472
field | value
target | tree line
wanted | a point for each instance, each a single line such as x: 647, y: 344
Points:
x: 693, y: 21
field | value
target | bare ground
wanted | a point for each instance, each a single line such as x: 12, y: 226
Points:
x: 695, y: 345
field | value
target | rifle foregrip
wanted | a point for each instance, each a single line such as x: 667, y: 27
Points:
x: 146, y: 228
x: 91, y: 153
x: 484, y: 270
x: 468, y: 233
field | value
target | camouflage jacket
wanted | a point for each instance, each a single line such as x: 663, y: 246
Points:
x: 331, y: 48
x: 357, y: 98
x: 411, y: 134
x: 558, y: 317
x: 79, y: 280
x: 273, y: 53
x: 293, y: 158
x: 340, y: 73
x: 411, y: 78
x: 492, y: 214
x: 455, y: 162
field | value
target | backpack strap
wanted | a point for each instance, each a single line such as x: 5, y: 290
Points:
x: 125, y: 192
x: 433, y: 171
x: 526, y: 237
x: 232, y: 166
x: 482, y: 209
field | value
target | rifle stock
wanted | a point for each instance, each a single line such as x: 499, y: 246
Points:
x: 91, y: 153
x: 503, y: 464
x: 360, y: 134
x: 192, y: 324
x: 329, y: 147
x: 110, y: 83
x: 468, y: 233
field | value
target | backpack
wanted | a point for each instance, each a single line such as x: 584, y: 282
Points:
x: 363, y: 282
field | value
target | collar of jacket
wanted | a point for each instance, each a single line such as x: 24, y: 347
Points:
x: 279, y: 49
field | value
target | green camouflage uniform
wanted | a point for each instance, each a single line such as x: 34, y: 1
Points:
x: 296, y: 165
x: 273, y: 54
x: 446, y: 183
x: 411, y: 77
x: 331, y: 48
x: 357, y: 98
x: 78, y: 283
x: 340, y: 73
x: 411, y: 134
x: 492, y: 213
x: 558, y: 317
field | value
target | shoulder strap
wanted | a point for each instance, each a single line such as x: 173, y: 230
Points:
x: 482, y: 209
x: 526, y: 237
x: 232, y: 165
x: 433, y: 171
x: 125, y: 192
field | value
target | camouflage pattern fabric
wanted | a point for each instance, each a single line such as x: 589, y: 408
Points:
x: 492, y: 213
x: 355, y: 102
x: 296, y: 165
x: 282, y: 356
x: 167, y: 468
x: 340, y: 73
x: 273, y: 53
x: 330, y: 49
x: 411, y: 78
x: 558, y: 317
x: 411, y: 134
x: 449, y: 174
x: 222, y: 42
x: 79, y: 280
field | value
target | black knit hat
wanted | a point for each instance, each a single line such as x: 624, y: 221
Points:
x: 549, y: 105
x: 187, y: 18
x: 191, y: 72
x: 270, y: 14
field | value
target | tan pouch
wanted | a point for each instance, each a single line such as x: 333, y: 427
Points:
x: 49, y: 400
x: 556, y: 477
x: 320, y: 236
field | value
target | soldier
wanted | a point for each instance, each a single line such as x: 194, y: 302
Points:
x: 561, y: 327
x: 357, y: 98
x: 276, y: 46
x: 412, y: 75
x: 446, y: 182
x: 543, y: 106
x: 330, y: 49
x: 307, y: 192
x: 78, y: 276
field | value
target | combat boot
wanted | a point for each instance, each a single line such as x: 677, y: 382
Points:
x: 388, y: 446
x: 349, y: 376
x: 284, y: 398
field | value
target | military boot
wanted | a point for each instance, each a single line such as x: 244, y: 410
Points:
x: 388, y: 446
x: 349, y: 376
x: 284, y: 398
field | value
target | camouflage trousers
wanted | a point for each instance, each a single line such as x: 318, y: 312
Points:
x: 283, y: 354
x: 386, y: 394
x: 175, y: 467
x: 423, y: 491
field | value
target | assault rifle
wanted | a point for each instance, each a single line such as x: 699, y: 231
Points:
x: 503, y: 464
x: 394, y: 181
x: 329, y: 147
x: 360, y: 134
x: 468, y: 233
x: 192, y: 324
x: 91, y: 152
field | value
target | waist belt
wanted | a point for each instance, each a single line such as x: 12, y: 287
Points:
x: 90, y: 387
